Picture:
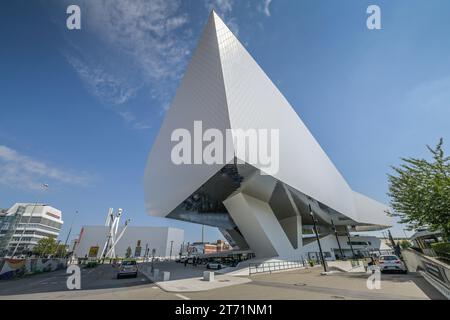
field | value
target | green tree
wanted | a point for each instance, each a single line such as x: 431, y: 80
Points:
x: 128, y: 253
x: 420, y: 191
x: 404, y: 244
x: 61, y: 251
x: 45, y: 246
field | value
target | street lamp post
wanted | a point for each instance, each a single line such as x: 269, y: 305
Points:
x: 318, y: 240
x: 153, y: 259
x: 17, y: 216
x: 350, y: 243
x: 146, y: 253
x: 171, y: 247
x: 337, y: 239
x: 70, y: 230
x: 203, y: 233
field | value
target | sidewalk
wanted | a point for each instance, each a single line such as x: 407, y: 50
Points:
x: 188, y: 279
x: 198, y: 284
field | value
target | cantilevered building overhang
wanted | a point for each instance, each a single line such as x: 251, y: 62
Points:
x: 226, y: 90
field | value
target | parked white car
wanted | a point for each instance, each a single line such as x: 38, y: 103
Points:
x: 391, y: 263
x: 216, y: 265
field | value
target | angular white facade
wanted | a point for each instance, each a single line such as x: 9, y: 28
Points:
x: 226, y: 90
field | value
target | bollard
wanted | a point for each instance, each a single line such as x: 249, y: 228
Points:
x: 166, y: 276
x: 208, y: 276
x: 155, y: 274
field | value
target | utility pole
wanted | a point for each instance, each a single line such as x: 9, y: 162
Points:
x: 337, y: 239
x: 203, y: 233
x: 318, y: 240
x: 153, y: 259
x: 146, y: 253
x: 16, y: 221
x: 350, y: 243
x: 171, y: 247
x: 70, y: 230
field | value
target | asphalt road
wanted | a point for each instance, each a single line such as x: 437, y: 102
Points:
x: 101, y: 283
x: 101, y: 277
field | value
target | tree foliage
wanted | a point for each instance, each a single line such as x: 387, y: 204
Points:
x: 45, y: 246
x: 404, y: 244
x: 420, y: 191
x: 49, y: 246
x: 128, y: 253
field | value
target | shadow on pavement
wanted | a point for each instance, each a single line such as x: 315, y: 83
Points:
x: 101, y: 277
x: 396, y: 277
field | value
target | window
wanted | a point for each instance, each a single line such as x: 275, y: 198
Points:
x: 359, y: 243
x: 388, y: 258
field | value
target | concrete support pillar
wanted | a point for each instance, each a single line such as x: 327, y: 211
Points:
x: 166, y: 276
x: 259, y: 226
x: 208, y: 276
x: 155, y: 274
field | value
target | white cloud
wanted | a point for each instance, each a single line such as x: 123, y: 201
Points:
x: 131, y: 118
x: 22, y: 172
x: 152, y: 38
x: 430, y: 95
x: 147, y: 31
x: 224, y: 8
x: 266, y: 8
x: 148, y: 37
x: 100, y: 83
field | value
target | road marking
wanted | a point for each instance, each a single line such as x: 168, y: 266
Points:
x: 182, y: 297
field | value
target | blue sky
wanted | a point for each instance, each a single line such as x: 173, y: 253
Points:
x: 79, y: 110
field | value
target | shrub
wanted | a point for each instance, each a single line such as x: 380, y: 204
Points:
x: 91, y: 264
x: 405, y: 244
x: 441, y: 247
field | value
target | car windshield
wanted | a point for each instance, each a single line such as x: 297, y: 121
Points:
x: 129, y: 263
x: 388, y: 258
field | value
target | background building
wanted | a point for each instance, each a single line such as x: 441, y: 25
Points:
x: 356, y: 246
x: 198, y: 248
x: 24, y: 224
x: 142, y: 240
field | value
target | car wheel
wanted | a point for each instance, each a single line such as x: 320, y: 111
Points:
x: 135, y: 275
x: 118, y: 276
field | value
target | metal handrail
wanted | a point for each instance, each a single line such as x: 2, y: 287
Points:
x: 274, y: 266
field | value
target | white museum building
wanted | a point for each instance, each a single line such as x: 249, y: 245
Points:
x: 268, y: 207
x: 163, y: 242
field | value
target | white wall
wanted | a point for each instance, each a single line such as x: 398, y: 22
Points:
x: 329, y: 242
x: 158, y: 238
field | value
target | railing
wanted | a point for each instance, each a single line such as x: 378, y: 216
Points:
x: 443, y: 256
x: 274, y: 266
x: 435, y: 271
